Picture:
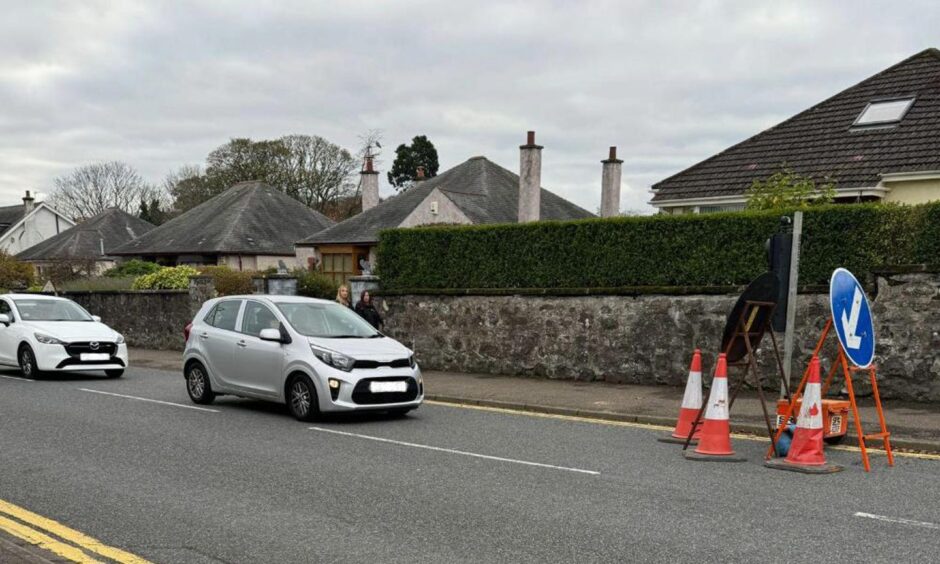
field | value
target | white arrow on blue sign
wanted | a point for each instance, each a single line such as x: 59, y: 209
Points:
x: 851, y: 316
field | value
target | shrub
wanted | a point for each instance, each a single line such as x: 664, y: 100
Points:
x: 315, y: 285
x: 134, y: 267
x: 15, y: 275
x: 229, y: 282
x: 172, y: 278
x: 687, y: 250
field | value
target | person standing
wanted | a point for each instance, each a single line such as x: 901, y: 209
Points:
x: 366, y: 310
x: 342, y: 296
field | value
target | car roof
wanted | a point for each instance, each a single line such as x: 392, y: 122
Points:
x: 275, y: 298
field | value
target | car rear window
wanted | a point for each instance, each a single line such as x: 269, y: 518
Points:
x: 224, y: 315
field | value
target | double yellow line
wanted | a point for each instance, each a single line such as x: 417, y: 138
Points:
x: 57, y: 538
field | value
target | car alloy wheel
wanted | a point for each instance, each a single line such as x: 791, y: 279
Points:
x: 300, y: 398
x: 26, y: 362
x: 196, y: 382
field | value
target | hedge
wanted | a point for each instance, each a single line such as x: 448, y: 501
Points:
x: 686, y: 250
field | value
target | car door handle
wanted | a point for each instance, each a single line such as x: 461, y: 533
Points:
x: 242, y: 344
x: 204, y: 335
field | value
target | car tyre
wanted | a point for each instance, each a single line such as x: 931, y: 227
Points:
x: 27, y: 361
x: 115, y: 373
x: 302, y: 398
x: 197, y: 384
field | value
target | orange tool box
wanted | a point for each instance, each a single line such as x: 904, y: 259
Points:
x: 835, y: 417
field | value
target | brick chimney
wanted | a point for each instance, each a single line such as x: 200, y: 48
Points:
x: 28, y: 203
x: 369, y: 182
x: 610, y: 185
x: 530, y: 179
x: 419, y: 174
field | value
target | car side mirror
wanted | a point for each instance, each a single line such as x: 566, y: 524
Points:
x: 270, y: 335
x: 4, y: 319
x: 96, y: 318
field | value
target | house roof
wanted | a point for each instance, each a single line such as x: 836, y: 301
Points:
x: 9, y: 215
x: 484, y: 191
x: 821, y: 142
x: 249, y: 218
x: 109, y: 229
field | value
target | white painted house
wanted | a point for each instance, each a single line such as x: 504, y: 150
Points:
x: 28, y: 224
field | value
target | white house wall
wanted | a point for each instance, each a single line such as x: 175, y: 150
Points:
x: 447, y: 212
x: 36, y: 228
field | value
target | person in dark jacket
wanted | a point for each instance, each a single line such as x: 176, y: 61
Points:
x: 366, y: 309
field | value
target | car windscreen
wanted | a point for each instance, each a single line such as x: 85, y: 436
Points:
x: 50, y: 310
x: 331, y: 321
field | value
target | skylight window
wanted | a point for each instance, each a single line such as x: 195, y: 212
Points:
x: 884, y: 113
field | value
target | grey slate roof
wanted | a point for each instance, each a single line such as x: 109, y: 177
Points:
x: 821, y: 141
x: 484, y: 191
x: 112, y: 228
x: 249, y: 218
x: 10, y: 215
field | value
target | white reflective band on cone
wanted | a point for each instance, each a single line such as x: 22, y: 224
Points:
x: 811, y: 397
x: 718, y: 400
x: 693, y: 392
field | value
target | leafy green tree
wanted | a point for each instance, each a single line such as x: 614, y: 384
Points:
x: 408, y: 158
x: 152, y: 212
x: 788, y: 189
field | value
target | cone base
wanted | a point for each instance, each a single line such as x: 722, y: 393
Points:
x: 692, y: 455
x: 782, y: 464
x: 676, y: 440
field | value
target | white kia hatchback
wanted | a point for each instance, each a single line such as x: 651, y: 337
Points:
x: 47, y: 334
x: 313, y: 355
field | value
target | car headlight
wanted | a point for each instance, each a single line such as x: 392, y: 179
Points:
x: 47, y: 340
x: 333, y: 358
x: 412, y: 362
x: 120, y: 339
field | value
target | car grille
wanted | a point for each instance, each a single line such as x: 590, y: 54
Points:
x: 397, y: 363
x: 76, y: 349
x: 363, y: 396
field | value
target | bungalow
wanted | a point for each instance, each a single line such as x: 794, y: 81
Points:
x: 878, y: 140
x: 87, y: 246
x: 476, y: 191
x: 250, y: 226
x: 25, y: 225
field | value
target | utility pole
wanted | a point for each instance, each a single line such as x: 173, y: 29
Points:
x: 791, y: 298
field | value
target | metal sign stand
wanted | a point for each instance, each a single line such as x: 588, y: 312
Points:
x: 745, y: 330
x: 847, y: 370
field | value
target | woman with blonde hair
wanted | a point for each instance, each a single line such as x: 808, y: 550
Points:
x: 342, y: 296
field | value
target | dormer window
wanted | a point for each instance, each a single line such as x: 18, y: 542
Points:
x: 884, y: 112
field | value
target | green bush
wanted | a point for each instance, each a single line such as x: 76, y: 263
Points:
x: 229, y: 282
x: 687, y: 250
x: 134, y: 267
x: 315, y: 285
x: 172, y: 278
x: 15, y: 275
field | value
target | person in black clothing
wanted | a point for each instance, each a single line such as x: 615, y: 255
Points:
x: 366, y: 309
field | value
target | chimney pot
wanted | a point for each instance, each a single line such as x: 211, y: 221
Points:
x: 420, y: 173
x: 530, y: 138
x: 613, y: 153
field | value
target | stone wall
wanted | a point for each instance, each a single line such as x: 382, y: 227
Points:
x: 649, y: 339
x: 148, y: 319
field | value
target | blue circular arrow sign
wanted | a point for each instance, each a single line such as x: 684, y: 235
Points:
x: 851, y: 317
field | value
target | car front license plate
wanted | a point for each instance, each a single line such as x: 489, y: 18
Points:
x: 379, y: 387
x: 90, y: 357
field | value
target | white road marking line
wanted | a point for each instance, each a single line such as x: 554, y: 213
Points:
x: 899, y: 520
x: 151, y: 400
x: 19, y: 378
x: 453, y: 451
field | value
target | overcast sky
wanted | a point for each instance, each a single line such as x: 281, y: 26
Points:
x: 161, y: 84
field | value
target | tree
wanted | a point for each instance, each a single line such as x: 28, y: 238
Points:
x: 152, y: 211
x: 788, y: 189
x: 91, y: 189
x: 308, y: 168
x: 408, y: 158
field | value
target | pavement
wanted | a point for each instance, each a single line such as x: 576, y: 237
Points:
x: 144, y: 473
x: 913, y: 426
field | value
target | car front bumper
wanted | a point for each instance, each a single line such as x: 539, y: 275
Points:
x: 354, y: 392
x: 55, y: 358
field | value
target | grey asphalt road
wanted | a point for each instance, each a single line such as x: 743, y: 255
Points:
x: 246, y: 483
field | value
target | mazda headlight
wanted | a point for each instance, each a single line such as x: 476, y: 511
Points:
x: 47, y: 340
x: 333, y: 358
x: 412, y: 362
x: 120, y: 339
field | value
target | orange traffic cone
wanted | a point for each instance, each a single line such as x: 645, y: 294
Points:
x: 715, y: 440
x: 691, y: 404
x: 806, y: 448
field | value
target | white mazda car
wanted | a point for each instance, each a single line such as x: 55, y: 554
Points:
x: 46, y: 334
